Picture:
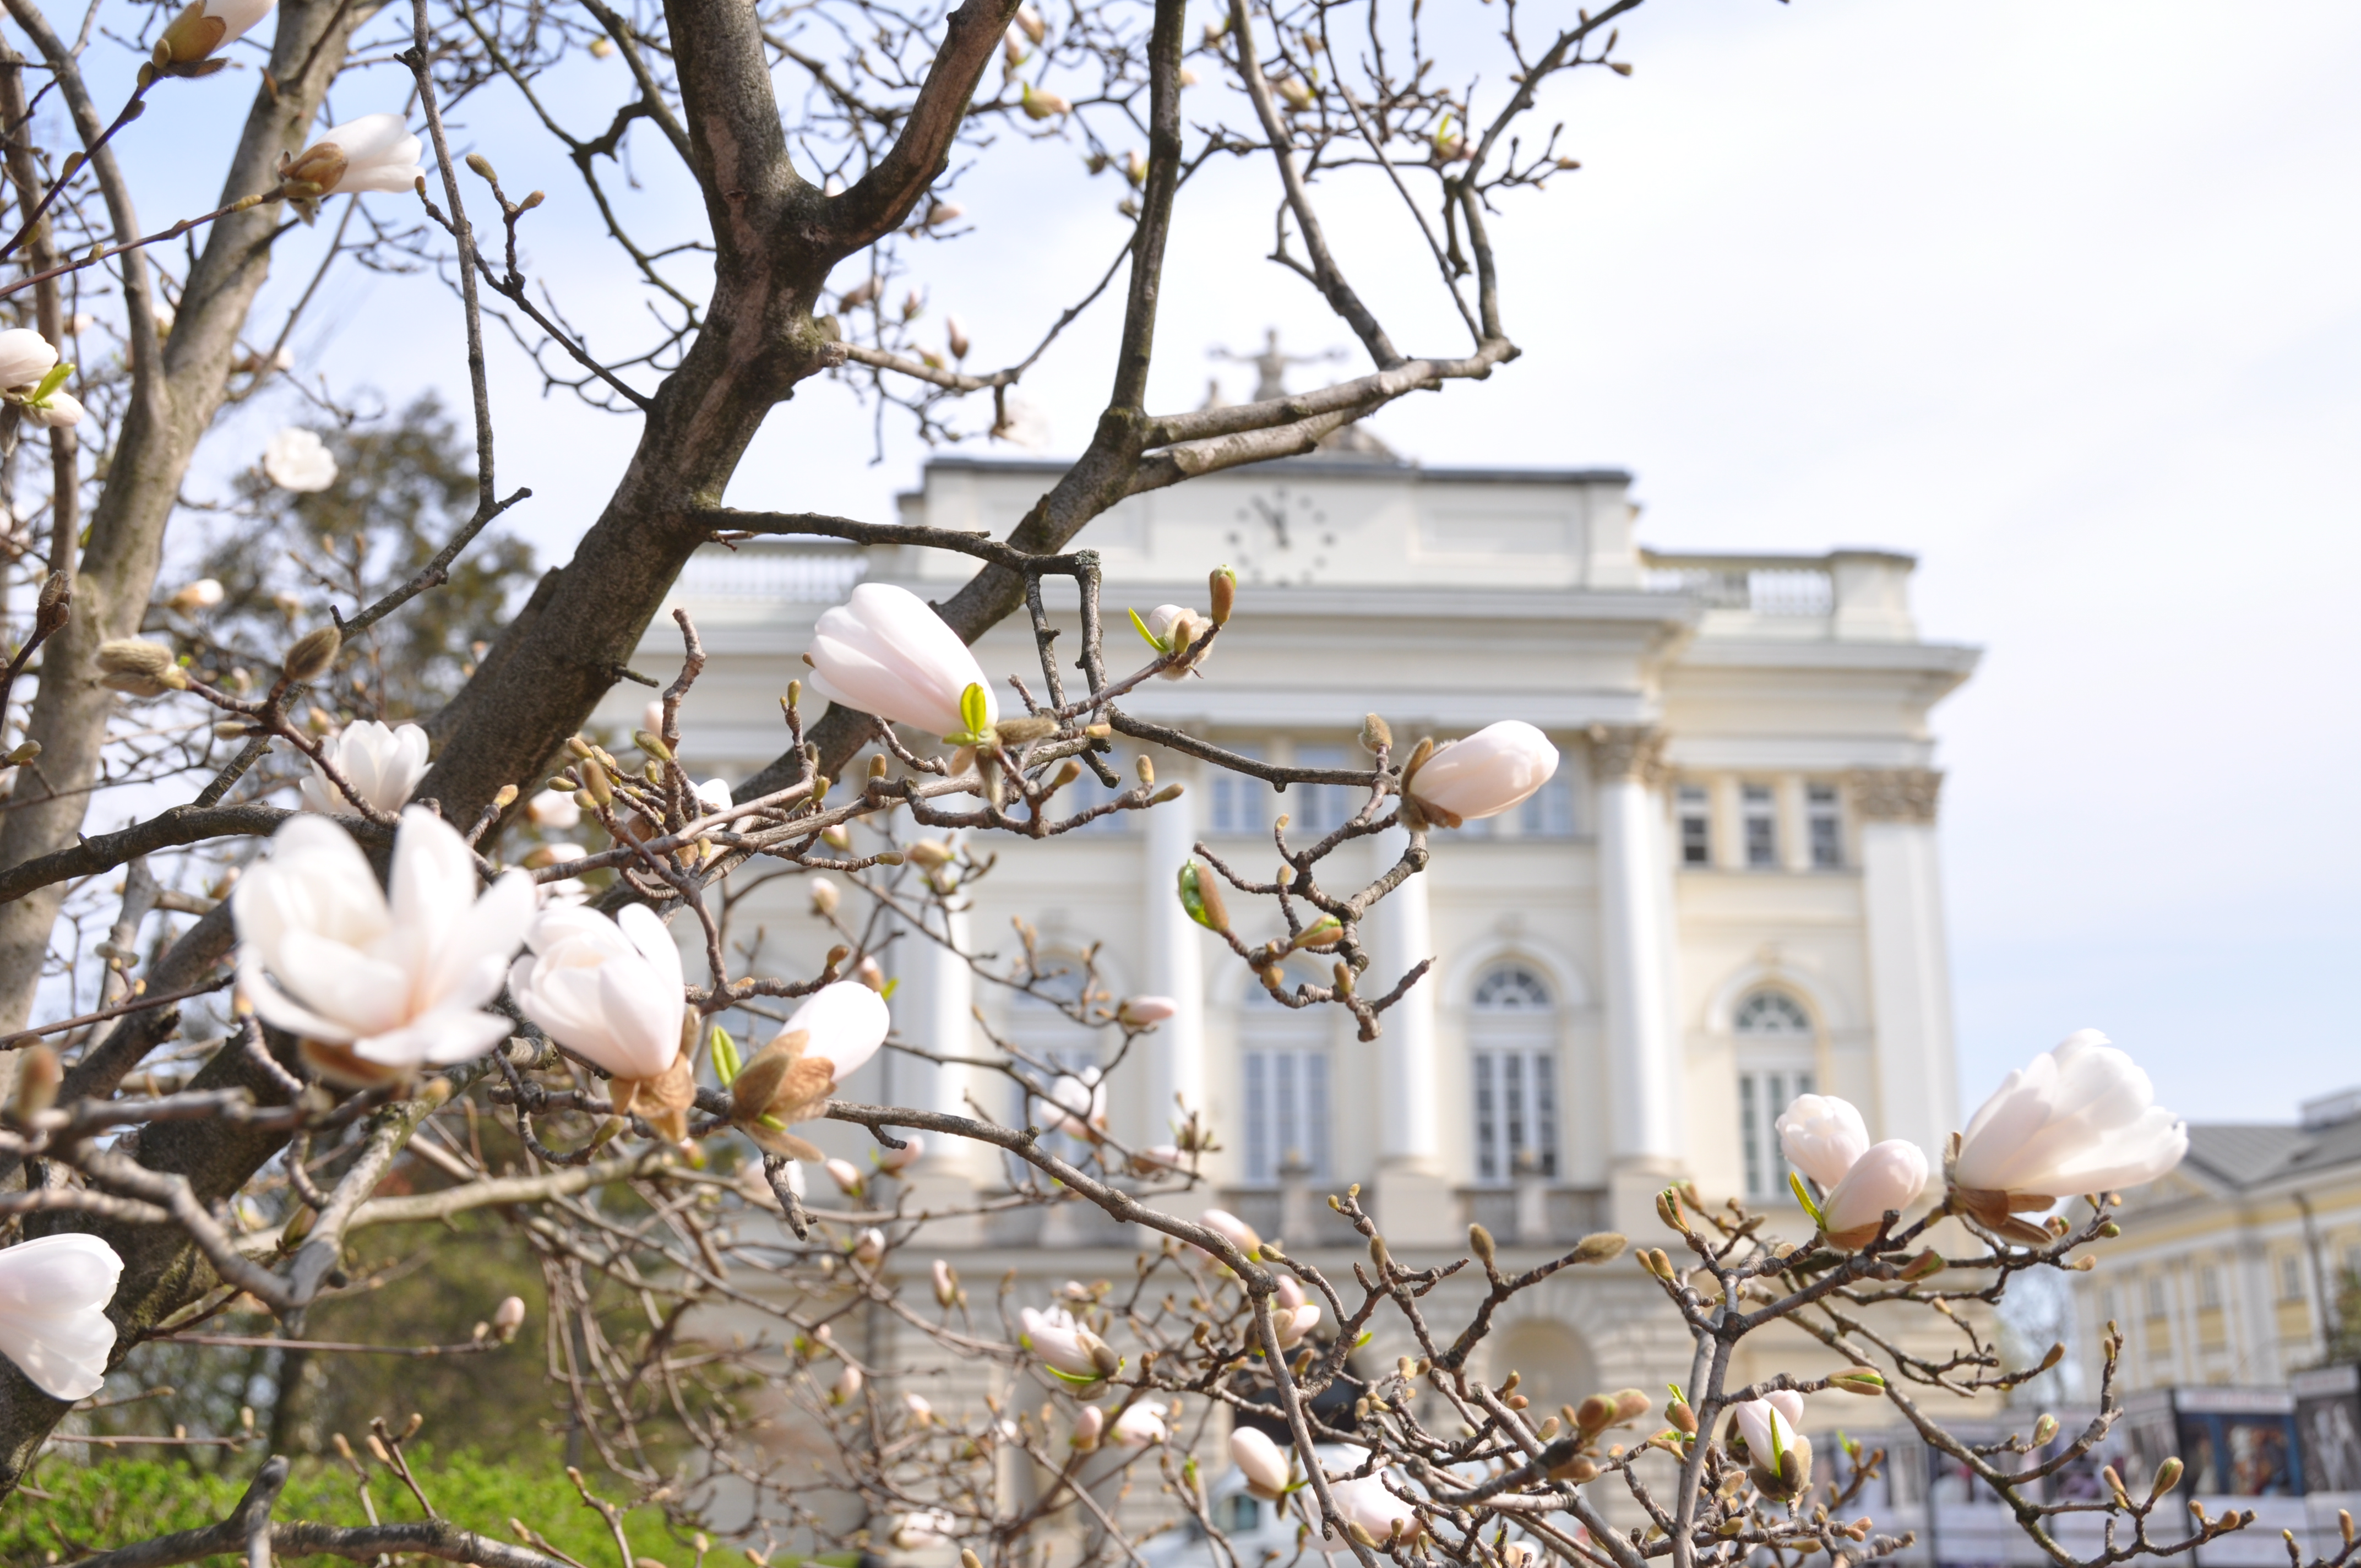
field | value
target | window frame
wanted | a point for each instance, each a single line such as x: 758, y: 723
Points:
x: 1515, y: 1101
x: 1758, y: 825
x: 1693, y: 824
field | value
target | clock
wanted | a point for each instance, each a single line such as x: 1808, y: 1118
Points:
x: 1282, y: 538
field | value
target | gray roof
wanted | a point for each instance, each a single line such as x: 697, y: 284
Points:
x: 2246, y: 1155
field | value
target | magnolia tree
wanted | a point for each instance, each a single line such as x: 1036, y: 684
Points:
x: 337, y: 950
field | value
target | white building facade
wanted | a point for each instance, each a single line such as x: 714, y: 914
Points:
x: 1730, y: 893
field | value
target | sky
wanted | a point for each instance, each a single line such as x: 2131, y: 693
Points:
x: 2058, y: 296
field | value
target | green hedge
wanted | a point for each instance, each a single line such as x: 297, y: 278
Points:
x: 116, y: 1501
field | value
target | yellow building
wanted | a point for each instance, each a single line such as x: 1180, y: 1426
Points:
x: 2229, y: 1270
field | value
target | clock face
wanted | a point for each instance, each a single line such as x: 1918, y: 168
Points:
x: 1281, y: 538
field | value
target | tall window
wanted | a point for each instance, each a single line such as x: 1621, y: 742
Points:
x: 1695, y: 813
x: 2290, y: 1277
x: 2209, y: 1284
x: 1318, y: 810
x: 1548, y: 812
x: 1283, y: 1073
x: 1760, y: 813
x: 1239, y: 801
x: 1775, y: 1039
x: 1825, y: 816
x: 1513, y: 1035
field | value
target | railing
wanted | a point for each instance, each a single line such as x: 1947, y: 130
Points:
x: 811, y: 576
x: 1762, y: 585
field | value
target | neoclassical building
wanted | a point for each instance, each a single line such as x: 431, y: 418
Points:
x: 1730, y: 893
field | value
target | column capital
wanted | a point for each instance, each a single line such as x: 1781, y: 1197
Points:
x: 1621, y: 751
x: 1896, y: 794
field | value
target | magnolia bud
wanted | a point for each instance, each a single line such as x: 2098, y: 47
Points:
x: 1480, y: 1239
x: 1926, y: 1263
x: 140, y: 668
x: 1599, y: 1246
x: 824, y: 896
x: 1858, y: 1380
x: 1681, y: 1416
x: 2044, y: 1430
x: 930, y: 853
x: 1201, y: 897
x: 38, y: 1076
x: 1221, y: 595
x: 2167, y: 1476
x: 1379, y: 1255
x: 1377, y: 735
x: 507, y: 1318
x: 481, y: 165
x: 1146, y: 767
x: 309, y: 659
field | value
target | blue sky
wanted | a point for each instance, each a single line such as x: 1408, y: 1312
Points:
x: 2060, y: 297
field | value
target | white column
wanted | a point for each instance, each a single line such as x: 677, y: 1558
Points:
x: 1909, y: 966
x: 1176, y: 967
x: 934, y: 1010
x: 1415, y: 1205
x: 1635, y: 929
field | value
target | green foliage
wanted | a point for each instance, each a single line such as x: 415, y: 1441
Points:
x: 71, y: 1508
x: 402, y: 487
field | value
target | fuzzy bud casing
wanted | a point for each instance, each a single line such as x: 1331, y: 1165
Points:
x: 311, y: 655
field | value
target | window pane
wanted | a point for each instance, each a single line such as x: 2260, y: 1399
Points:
x: 1548, y: 812
x: 1545, y: 1090
x: 1256, y: 1086
x: 1319, y: 809
x: 1237, y: 799
x: 1749, y: 1135
x: 1286, y: 1112
x: 1487, y: 1131
x: 1315, y: 1111
x: 1512, y: 1105
x: 1827, y: 843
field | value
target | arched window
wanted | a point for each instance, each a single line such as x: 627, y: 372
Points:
x: 1512, y: 1052
x: 1775, y: 1061
x: 1283, y: 1083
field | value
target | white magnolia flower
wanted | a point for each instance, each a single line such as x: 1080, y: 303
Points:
x: 2081, y: 1118
x: 58, y: 411
x: 1075, y: 1103
x: 1174, y: 629
x: 1484, y: 774
x: 870, y: 1247
x: 376, y: 152
x: 924, y: 1530
x: 1291, y: 1315
x: 378, y: 988
x: 1822, y: 1135
x: 609, y: 991
x: 53, y: 1321
x: 713, y: 795
x: 1071, y: 1350
x: 297, y: 459
x: 846, y: 1175
x: 1770, y: 1424
x: 554, y: 810
x: 945, y: 1282
x: 1240, y: 1234
x: 206, y: 593
x: 1140, y: 1427
x: 205, y: 26
x: 836, y: 1030
x: 1260, y: 1461
x: 1089, y: 1427
x: 1779, y: 1456
x: 1889, y: 1174
x: 382, y: 762
x: 1366, y: 1503
x: 920, y: 1410
x: 845, y: 1023
x: 24, y: 357
x: 896, y: 1161
x: 1141, y: 1010
x: 884, y: 651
